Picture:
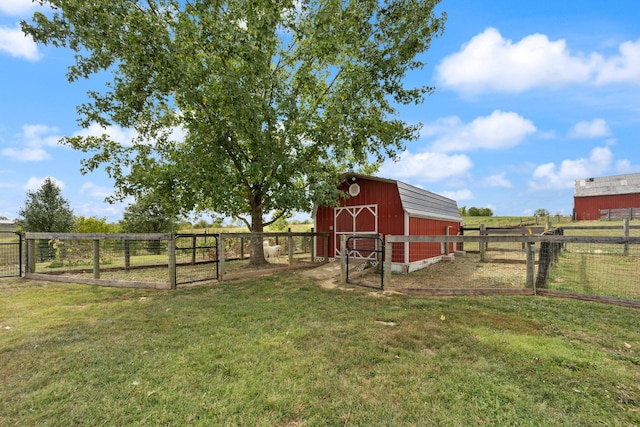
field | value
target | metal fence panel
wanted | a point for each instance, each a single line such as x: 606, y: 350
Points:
x: 10, y: 254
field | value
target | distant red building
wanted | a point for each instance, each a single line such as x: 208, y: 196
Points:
x: 611, y: 197
x: 389, y: 207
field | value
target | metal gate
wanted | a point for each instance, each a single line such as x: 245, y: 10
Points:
x: 365, y: 252
x: 10, y: 254
x: 196, y: 258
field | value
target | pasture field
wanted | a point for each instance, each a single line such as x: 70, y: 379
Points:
x: 282, y: 351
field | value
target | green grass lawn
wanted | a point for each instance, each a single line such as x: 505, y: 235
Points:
x: 281, y: 351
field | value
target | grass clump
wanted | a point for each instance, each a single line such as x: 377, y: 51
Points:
x: 281, y: 351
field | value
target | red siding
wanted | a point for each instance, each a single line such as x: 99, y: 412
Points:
x: 383, y: 194
x: 390, y: 220
x: 588, y: 208
x: 429, y: 227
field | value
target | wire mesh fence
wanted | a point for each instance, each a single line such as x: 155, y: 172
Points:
x: 157, y: 260
x: 579, y: 266
x: 597, y: 269
x: 10, y: 254
x: 441, y: 267
x: 196, y: 258
x: 116, y: 259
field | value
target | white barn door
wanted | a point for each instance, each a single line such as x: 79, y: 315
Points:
x: 353, y: 221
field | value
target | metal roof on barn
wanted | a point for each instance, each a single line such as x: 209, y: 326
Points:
x: 608, y: 185
x: 418, y: 202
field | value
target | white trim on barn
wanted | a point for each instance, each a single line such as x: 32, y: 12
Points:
x: 354, y: 211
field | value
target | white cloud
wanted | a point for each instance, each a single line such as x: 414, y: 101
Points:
x: 32, y: 143
x: 624, y: 166
x: 596, y: 128
x: 498, y: 180
x: 459, y: 195
x: 427, y: 166
x: 126, y: 137
x: 550, y: 176
x: 113, y: 212
x: 14, y: 42
x: 96, y: 191
x: 34, y: 183
x: 499, y: 130
x: 491, y: 63
x: 17, y: 7
x: 118, y: 134
x: 622, y: 68
x: 36, y: 154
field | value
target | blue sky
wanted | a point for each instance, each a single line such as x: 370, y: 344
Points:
x: 530, y: 97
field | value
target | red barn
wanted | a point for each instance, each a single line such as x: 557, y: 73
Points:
x: 610, y: 197
x: 388, y: 207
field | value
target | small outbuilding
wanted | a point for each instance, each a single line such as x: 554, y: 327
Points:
x: 379, y: 206
x: 610, y: 197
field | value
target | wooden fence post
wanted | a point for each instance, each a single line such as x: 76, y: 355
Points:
x: 531, y: 265
x: 127, y: 254
x: 446, y: 244
x: 96, y: 259
x: 343, y: 259
x: 483, y: 244
x: 31, y: 256
x: 171, y: 249
x: 388, y: 253
x: 544, y: 261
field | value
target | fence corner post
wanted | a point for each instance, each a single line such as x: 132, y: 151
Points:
x: 343, y: 259
x: 171, y: 252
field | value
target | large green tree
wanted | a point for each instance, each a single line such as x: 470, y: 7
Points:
x: 46, y: 210
x: 272, y: 98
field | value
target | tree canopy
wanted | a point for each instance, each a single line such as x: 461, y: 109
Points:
x: 46, y: 210
x: 541, y: 212
x: 246, y: 108
x: 148, y: 215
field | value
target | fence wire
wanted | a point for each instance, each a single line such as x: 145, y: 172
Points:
x: 121, y: 260
x: 609, y: 270
x: 10, y: 259
x: 196, y: 258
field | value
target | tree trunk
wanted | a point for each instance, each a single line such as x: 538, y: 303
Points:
x: 256, y: 257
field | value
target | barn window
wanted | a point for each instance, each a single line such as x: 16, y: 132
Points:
x: 354, y: 190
